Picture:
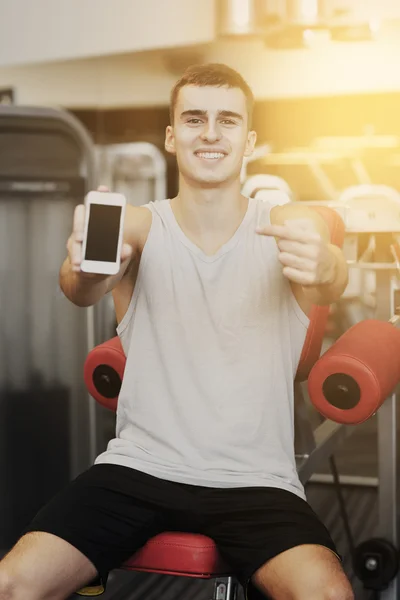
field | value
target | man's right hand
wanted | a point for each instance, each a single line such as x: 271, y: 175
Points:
x: 75, y: 242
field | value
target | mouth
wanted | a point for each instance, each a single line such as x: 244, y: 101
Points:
x: 210, y: 156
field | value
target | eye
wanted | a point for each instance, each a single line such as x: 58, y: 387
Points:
x: 228, y: 122
x: 194, y: 121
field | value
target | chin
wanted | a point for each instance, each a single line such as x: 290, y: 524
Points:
x: 210, y: 182
x: 212, y: 179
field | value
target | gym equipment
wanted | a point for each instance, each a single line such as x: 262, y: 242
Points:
x: 366, y: 147
x: 46, y: 166
x: 366, y: 210
x: 371, y: 208
x: 268, y: 187
x: 193, y: 555
x: 371, y: 246
x: 103, y: 373
x: 350, y: 382
x: 137, y: 170
x: 382, y: 237
x: 348, y: 152
x: 376, y: 563
x: 315, y: 160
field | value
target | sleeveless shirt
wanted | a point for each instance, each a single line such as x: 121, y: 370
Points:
x: 212, y: 345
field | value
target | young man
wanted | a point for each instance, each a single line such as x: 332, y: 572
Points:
x: 212, y: 314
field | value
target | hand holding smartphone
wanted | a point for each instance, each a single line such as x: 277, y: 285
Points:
x: 103, y: 233
x: 96, y: 243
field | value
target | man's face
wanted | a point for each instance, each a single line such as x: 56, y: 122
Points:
x: 210, y: 134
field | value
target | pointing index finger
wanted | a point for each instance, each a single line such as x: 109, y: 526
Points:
x: 300, y: 230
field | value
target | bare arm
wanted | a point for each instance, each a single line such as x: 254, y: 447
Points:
x: 79, y: 288
x: 86, y: 289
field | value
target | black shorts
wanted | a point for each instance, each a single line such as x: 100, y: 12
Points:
x: 109, y: 512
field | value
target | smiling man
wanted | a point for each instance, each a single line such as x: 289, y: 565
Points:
x: 212, y: 312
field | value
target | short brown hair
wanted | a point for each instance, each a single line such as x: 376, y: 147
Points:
x: 213, y: 74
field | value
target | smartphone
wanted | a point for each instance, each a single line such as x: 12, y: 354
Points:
x: 103, y: 233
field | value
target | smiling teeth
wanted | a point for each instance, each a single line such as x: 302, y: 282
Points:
x: 210, y: 154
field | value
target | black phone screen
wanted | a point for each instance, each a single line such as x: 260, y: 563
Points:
x: 103, y: 232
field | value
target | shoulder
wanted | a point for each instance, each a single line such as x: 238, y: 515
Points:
x: 295, y: 211
x: 138, y: 221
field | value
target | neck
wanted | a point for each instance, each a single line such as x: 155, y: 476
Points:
x: 212, y: 209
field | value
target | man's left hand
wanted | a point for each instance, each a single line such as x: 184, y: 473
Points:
x: 306, y: 258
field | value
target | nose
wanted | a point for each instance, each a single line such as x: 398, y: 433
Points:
x: 211, y: 132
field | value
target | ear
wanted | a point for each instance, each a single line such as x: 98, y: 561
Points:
x: 250, y: 144
x: 170, y: 140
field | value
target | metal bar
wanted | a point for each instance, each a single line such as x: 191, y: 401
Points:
x: 93, y: 424
x: 387, y: 490
x: 360, y: 171
x: 353, y: 480
x: 387, y: 444
x: 323, y: 179
x: 225, y: 588
x: 231, y: 589
x: 328, y: 436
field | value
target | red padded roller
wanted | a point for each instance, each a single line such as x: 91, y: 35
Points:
x: 175, y: 553
x: 103, y: 372
x: 354, y: 377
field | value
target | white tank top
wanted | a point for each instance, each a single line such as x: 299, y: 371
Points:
x: 212, y: 345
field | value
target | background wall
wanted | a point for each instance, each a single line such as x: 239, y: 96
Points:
x: 145, y: 78
x: 50, y: 30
